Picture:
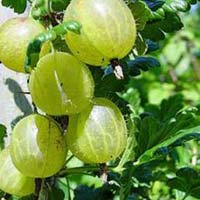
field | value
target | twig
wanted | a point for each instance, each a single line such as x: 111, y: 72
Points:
x: 38, y: 184
x: 6, y: 196
x: 80, y: 170
x: 68, y: 186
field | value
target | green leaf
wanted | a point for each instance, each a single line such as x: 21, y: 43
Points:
x: 154, y: 4
x: 156, y: 29
x: 165, y: 19
x: 172, y: 140
x: 2, y: 135
x: 161, y: 127
x: 132, y: 96
x: 142, y: 63
x: 141, y: 174
x: 56, y: 193
x: 129, y: 153
x: 179, y: 142
x: 19, y: 6
x: 59, y: 5
x: 140, y: 47
x: 126, y: 180
x: 107, y: 85
x: 152, y: 46
x: 141, y: 13
x: 90, y: 193
x: 179, y: 5
x: 186, y: 180
x: 136, y: 177
x: 170, y: 107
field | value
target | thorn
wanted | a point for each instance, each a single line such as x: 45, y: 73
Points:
x: 21, y: 92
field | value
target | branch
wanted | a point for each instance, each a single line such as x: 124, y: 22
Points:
x: 38, y: 185
x: 80, y: 170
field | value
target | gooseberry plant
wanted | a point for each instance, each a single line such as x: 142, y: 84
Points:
x: 93, y: 134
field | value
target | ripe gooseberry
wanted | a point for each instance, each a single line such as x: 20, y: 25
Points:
x: 11, y: 180
x: 37, y: 146
x: 98, y: 134
x: 108, y: 30
x: 15, y: 35
x: 61, y: 84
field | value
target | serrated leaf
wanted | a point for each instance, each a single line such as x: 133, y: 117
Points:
x: 154, y: 4
x: 165, y: 19
x: 186, y: 180
x: 126, y: 183
x: 151, y: 45
x: 169, y: 107
x: 150, y: 154
x: 155, y: 30
x: 141, y: 13
x: 106, y: 85
x: 179, y: 5
x: 163, y: 126
x: 59, y: 5
x: 172, y: 6
x: 136, y: 176
x: 19, y: 6
x: 184, y: 139
x: 167, y: 149
x: 142, y: 63
x: 90, y: 193
x: 132, y: 96
x: 140, y: 47
x: 148, y: 134
x: 129, y: 153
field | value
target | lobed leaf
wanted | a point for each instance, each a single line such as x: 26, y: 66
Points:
x: 18, y: 6
x: 186, y: 180
x: 139, y: 9
x: 154, y: 4
x: 161, y: 127
x: 156, y: 29
x: 59, y: 5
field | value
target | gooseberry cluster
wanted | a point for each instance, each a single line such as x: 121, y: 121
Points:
x: 61, y: 84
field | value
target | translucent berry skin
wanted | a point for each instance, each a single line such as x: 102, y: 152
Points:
x: 15, y: 35
x: 11, y: 180
x: 37, y: 148
x: 61, y: 84
x: 98, y: 134
x: 108, y: 30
